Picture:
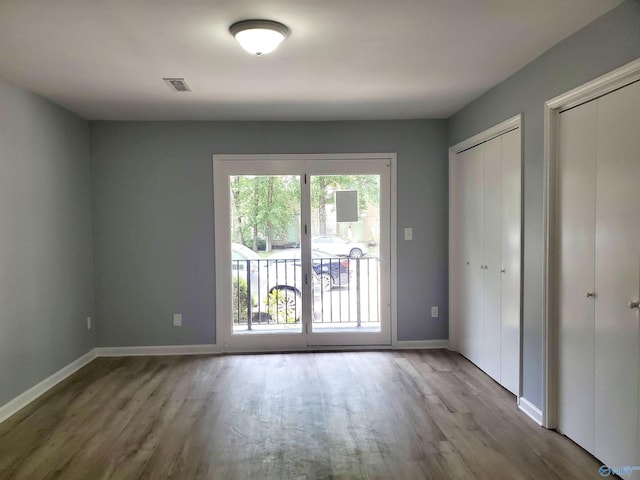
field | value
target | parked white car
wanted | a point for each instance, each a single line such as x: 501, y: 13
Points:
x: 339, y: 246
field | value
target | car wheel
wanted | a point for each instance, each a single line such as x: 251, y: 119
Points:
x: 355, y: 253
x: 326, y: 282
x: 288, y: 305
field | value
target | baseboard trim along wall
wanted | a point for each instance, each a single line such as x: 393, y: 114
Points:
x: 420, y: 344
x: 45, y: 385
x: 530, y: 409
x: 215, y: 349
x: 25, y: 398
x: 157, y: 350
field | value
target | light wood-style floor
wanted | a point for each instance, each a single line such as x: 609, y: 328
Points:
x: 377, y: 415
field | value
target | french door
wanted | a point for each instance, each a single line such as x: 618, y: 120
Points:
x: 302, y: 251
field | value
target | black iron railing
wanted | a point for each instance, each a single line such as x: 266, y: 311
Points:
x: 269, y: 292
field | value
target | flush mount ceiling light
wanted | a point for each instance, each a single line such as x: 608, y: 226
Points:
x: 259, y: 36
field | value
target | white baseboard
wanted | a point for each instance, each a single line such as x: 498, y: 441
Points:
x: 157, y: 350
x: 34, y: 392
x: 420, y: 344
x: 215, y: 349
x: 530, y: 409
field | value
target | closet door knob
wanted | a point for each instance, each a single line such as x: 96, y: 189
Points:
x: 591, y: 294
x: 633, y: 305
x: 503, y: 270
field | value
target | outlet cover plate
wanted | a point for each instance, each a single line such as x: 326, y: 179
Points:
x: 408, y: 233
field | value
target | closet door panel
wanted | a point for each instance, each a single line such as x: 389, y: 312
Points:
x: 577, y: 129
x: 492, y: 257
x: 465, y: 227
x: 617, y: 277
x: 473, y: 246
x: 510, y: 261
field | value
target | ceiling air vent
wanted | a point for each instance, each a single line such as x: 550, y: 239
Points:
x: 177, y: 84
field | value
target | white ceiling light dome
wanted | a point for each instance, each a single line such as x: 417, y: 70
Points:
x: 259, y: 37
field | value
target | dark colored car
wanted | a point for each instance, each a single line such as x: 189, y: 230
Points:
x: 330, y: 270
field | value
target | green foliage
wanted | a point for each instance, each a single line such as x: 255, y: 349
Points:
x: 281, y: 305
x: 324, y: 186
x: 367, y: 186
x: 239, y: 300
x: 261, y: 244
x: 263, y: 207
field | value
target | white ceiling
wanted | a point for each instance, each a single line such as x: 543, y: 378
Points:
x: 344, y: 59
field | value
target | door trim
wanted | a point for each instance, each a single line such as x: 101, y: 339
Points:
x: 596, y: 88
x: 486, y: 135
x: 219, y: 235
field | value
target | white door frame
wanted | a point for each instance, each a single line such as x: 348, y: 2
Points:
x: 220, y: 236
x: 489, y: 134
x: 607, y: 83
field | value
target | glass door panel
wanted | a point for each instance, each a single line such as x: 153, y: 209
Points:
x: 350, y: 252
x: 265, y: 218
x: 260, y: 302
x: 345, y: 229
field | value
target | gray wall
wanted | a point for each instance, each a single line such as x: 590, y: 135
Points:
x: 46, y: 275
x: 609, y: 42
x: 153, y: 218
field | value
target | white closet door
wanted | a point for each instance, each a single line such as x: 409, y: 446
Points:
x: 485, y: 199
x: 577, y: 130
x: 510, y: 261
x: 463, y: 228
x: 617, y: 277
x: 492, y: 257
x: 473, y: 245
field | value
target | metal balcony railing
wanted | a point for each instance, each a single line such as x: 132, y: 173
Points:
x: 269, y: 292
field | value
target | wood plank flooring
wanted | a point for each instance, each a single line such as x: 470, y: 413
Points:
x: 339, y: 415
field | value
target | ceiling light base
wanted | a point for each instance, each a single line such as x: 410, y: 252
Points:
x: 259, y: 37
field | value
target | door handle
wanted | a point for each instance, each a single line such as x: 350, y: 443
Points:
x: 591, y: 294
x: 635, y: 305
x: 503, y: 270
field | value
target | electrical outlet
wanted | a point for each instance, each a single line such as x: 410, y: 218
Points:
x: 434, y: 312
x: 177, y: 319
x: 88, y: 323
